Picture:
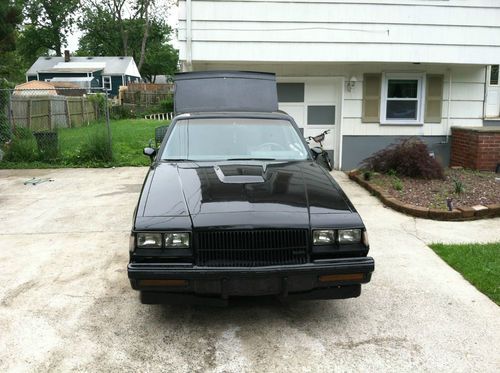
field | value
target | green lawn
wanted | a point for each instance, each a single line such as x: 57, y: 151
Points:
x: 129, y: 137
x: 478, y: 263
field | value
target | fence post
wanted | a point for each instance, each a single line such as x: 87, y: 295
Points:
x: 68, y: 115
x: 49, y: 104
x: 29, y: 114
x: 83, y: 110
x: 11, y: 117
x: 108, y: 125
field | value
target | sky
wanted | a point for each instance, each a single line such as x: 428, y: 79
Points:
x: 172, y: 20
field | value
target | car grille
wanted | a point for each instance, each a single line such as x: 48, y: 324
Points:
x: 251, y: 248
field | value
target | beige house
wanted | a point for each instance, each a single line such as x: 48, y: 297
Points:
x: 371, y: 71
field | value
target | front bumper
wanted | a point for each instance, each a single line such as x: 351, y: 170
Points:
x: 305, y: 281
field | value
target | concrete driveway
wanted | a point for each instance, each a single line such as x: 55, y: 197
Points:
x: 66, y: 304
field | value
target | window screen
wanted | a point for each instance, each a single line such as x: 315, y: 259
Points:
x: 291, y: 92
x: 402, y: 99
x: 321, y: 114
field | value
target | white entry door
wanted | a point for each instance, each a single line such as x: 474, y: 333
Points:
x: 315, y: 104
x: 492, y: 108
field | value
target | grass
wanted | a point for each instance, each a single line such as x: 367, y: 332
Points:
x: 129, y: 137
x: 478, y: 263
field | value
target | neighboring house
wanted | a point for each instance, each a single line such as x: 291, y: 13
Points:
x: 371, y: 71
x: 87, y: 72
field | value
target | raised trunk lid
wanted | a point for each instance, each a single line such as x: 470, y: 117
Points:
x: 222, y: 91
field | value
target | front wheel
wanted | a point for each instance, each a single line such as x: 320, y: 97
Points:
x: 327, y: 161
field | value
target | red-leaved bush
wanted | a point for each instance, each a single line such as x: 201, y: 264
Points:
x: 410, y: 158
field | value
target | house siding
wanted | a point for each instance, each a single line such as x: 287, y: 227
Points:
x: 357, y: 148
x: 386, y: 31
x: 321, y: 39
x: 359, y: 139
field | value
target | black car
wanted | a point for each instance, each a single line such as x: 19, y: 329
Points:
x: 234, y: 204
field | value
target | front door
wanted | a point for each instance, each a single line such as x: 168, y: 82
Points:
x: 314, y: 103
x: 492, y: 107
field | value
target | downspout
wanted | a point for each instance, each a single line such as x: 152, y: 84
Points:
x: 189, y: 37
x: 485, y: 91
x: 450, y: 77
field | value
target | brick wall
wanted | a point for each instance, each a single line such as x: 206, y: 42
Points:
x: 476, y: 148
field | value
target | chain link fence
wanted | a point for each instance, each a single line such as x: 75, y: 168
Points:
x: 55, y: 126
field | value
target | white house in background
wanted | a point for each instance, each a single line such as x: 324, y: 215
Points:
x: 372, y: 71
x: 86, y: 72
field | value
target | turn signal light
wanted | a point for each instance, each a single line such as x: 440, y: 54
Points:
x: 342, y: 277
x: 172, y: 283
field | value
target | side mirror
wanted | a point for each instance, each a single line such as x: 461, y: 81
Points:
x: 316, y: 152
x: 150, y: 152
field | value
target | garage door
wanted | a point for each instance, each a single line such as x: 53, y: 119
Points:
x: 314, y: 103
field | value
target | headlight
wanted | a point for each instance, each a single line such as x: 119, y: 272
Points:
x: 349, y: 235
x: 177, y: 240
x: 149, y: 240
x: 324, y: 237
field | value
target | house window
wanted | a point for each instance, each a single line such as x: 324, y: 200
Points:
x: 494, y: 74
x: 106, y: 83
x: 290, y: 92
x: 320, y: 114
x: 402, y: 99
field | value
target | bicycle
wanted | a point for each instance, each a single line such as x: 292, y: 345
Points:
x: 319, y: 150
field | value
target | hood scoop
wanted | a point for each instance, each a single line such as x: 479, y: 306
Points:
x: 234, y: 174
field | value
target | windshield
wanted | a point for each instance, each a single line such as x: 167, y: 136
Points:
x: 209, y: 139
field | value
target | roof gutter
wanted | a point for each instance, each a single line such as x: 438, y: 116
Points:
x: 188, y: 66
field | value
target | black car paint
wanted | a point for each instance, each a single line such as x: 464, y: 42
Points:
x: 290, y: 194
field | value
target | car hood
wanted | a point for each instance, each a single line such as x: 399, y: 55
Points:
x: 243, y: 193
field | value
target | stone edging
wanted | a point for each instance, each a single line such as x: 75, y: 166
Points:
x: 462, y: 213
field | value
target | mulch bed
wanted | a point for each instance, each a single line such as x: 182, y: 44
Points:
x: 480, y: 188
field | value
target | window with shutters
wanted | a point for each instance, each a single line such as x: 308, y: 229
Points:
x: 402, y: 100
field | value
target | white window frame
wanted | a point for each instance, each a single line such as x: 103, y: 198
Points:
x: 420, y: 77
x: 104, y: 77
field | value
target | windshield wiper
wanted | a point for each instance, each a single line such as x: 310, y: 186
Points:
x: 251, y: 159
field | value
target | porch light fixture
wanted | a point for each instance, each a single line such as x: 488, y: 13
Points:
x: 351, y: 83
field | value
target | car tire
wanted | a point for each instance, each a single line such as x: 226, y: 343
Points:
x: 327, y: 161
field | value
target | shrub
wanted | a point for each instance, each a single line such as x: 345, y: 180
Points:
x: 5, y: 133
x: 367, y: 175
x: 121, y: 112
x: 458, y: 186
x: 392, y: 172
x: 96, y: 148
x: 22, y: 150
x: 397, y: 184
x: 23, y: 133
x: 167, y: 105
x: 48, y: 145
x: 99, y: 101
x: 410, y: 158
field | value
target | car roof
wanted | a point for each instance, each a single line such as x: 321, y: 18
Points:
x: 235, y: 114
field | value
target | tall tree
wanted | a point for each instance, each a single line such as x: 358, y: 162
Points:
x: 11, y: 65
x: 10, y: 18
x: 134, y: 28
x: 50, y: 21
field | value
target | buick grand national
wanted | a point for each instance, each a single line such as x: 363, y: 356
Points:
x: 234, y: 204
